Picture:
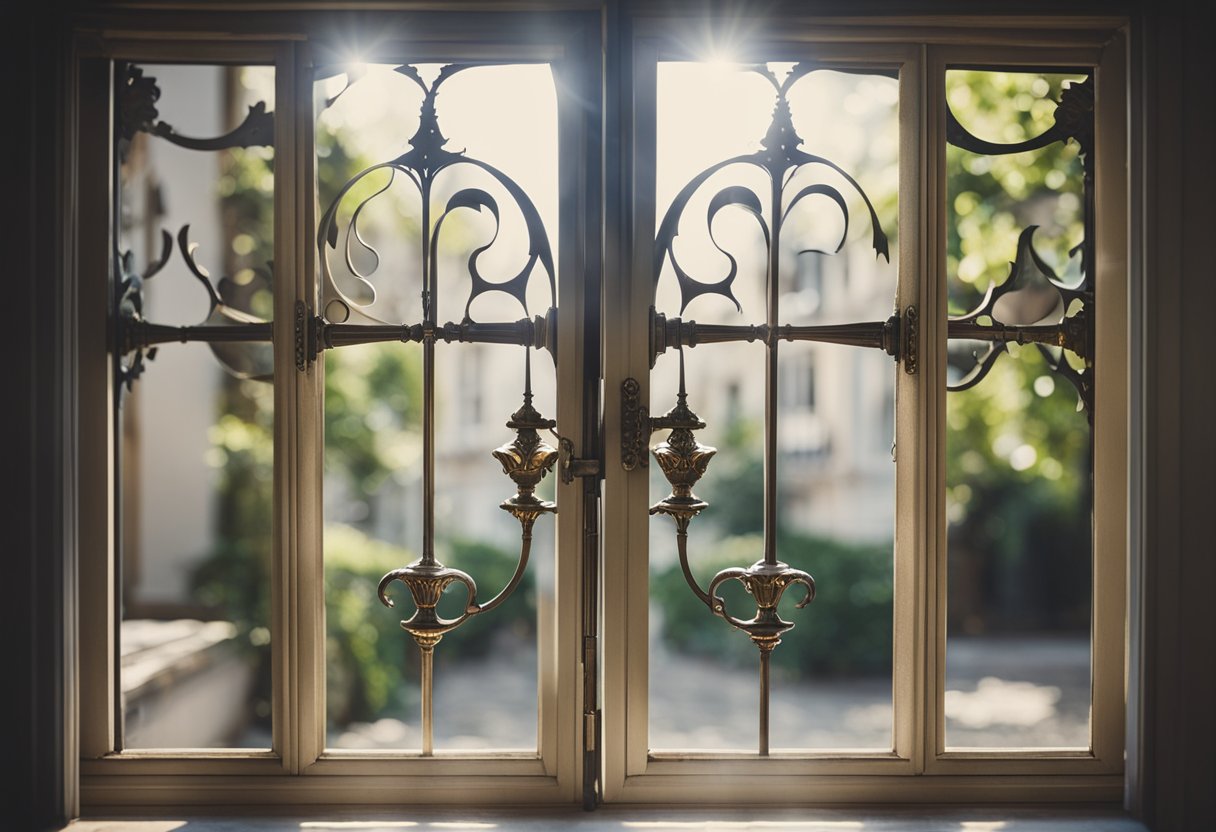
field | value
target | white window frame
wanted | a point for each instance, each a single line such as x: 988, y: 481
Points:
x: 632, y: 773
x: 298, y: 770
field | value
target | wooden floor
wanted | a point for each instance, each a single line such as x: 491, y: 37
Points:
x: 624, y: 819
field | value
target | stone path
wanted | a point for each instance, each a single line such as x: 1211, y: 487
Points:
x: 1001, y: 693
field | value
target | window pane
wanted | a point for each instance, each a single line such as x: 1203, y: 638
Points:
x: 196, y: 448
x: 831, y: 674
x: 1019, y: 487
x: 485, y: 670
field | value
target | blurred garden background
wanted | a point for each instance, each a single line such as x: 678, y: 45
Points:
x: 1017, y: 453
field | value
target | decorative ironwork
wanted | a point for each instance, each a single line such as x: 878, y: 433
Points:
x: 136, y: 99
x: 1068, y: 319
x: 239, y: 339
x: 780, y: 157
x: 683, y: 459
x: 129, y: 306
x: 1072, y: 332
x: 422, y: 164
x: 426, y: 579
x: 137, y: 111
x: 1073, y: 120
x: 635, y: 426
x: 885, y: 335
x: 527, y: 459
x: 911, y: 340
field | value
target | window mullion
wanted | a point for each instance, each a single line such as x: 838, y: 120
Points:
x: 933, y: 386
x: 912, y: 443
x: 297, y: 615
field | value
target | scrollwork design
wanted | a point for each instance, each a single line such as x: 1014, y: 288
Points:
x: 1073, y: 330
x: 240, y: 340
x: 1073, y: 119
x: 137, y: 99
x: 243, y: 360
x: 129, y: 306
x: 780, y: 157
x: 1030, y: 274
x: 422, y: 165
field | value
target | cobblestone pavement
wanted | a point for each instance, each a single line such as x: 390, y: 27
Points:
x: 1000, y: 693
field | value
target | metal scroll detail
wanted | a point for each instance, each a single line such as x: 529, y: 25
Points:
x: 527, y: 459
x: 422, y: 165
x: 781, y: 158
x: 1067, y: 320
x: 137, y: 113
x: 682, y: 458
x: 238, y: 339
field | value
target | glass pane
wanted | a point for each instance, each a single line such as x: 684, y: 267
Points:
x: 831, y: 673
x: 1019, y: 487
x: 196, y: 448
x: 485, y: 670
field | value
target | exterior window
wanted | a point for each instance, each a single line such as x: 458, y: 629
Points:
x: 764, y: 457
x: 1019, y: 489
x: 195, y: 244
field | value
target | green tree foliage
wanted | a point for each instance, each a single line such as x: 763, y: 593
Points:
x: 1018, y: 451
x: 991, y: 199
x: 372, y: 412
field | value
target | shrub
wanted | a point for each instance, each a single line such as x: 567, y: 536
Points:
x: 845, y: 631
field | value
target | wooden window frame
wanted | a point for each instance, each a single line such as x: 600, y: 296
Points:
x: 298, y: 770
x: 633, y: 774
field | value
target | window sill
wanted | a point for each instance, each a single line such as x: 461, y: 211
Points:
x: 921, y: 819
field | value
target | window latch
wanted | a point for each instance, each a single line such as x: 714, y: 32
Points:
x: 569, y: 466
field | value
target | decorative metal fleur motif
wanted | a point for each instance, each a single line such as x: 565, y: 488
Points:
x: 1045, y: 300
x: 1066, y: 322
x: 422, y: 164
x: 238, y: 339
x: 780, y: 156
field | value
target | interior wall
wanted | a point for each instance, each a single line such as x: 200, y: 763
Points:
x: 37, y: 552
x: 1178, y: 644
